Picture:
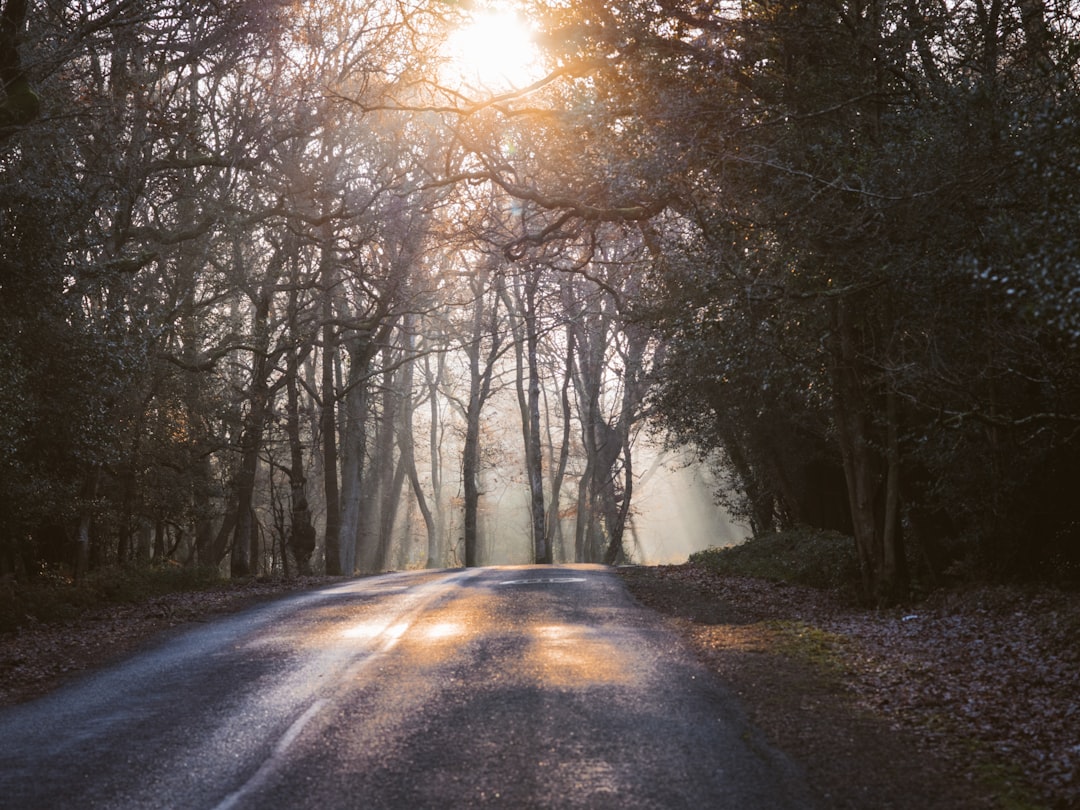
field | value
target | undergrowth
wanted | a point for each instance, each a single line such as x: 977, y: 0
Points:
x: 820, y: 559
x: 53, y: 598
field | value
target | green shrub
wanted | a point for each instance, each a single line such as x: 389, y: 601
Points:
x: 821, y: 559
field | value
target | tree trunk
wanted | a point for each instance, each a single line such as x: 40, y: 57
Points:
x: 160, y: 530
x: 615, y: 534
x: 435, y: 556
x: 407, y: 443
x: 479, y: 388
x: 125, y: 529
x: 328, y: 428
x: 390, y: 499
x: 592, y: 331
x: 860, y: 462
x: 470, y: 473
x: 200, y: 474
x: 582, y: 511
x: 242, y: 562
x: 245, y: 555
x: 86, y: 519
x: 384, y: 480
x: 589, y: 409
x: 554, y: 521
x: 533, y: 456
x: 301, y: 533
x: 354, y: 446
x: 633, y: 357
x: 893, y: 567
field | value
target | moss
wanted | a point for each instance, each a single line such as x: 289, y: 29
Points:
x: 1006, y: 780
x: 819, y: 648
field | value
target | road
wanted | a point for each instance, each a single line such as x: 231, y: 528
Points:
x: 516, y: 687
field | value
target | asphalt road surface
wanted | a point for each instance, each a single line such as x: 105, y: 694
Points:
x: 523, y: 687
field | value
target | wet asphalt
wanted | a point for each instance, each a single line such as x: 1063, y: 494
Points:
x: 515, y: 687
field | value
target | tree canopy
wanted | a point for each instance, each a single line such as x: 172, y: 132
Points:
x: 276, y: 279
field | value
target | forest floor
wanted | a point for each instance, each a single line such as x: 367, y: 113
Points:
x: 969, y: 700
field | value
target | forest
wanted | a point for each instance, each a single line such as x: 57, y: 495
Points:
x: 311, y: 287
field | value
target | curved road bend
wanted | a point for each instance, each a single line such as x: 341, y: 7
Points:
x: 516, y: 687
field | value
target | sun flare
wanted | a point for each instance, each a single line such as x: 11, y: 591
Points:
x: 494, y: 52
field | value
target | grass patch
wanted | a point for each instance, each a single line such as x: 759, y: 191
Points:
x: 820, y: 559
x: 822, y: 650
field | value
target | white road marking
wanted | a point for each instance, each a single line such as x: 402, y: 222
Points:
x: 542, y: 580
x: 282, y: 746
x: 390, y: 632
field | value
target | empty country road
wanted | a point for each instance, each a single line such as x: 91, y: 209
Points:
x: 517, y: 687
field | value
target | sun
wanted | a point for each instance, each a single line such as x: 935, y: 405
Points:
x: 494, y: 52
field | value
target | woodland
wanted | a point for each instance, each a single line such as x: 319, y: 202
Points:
x: 296, y: 288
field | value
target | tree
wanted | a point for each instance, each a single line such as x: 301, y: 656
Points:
x: 837, y: 239
x: 106, y: 177
x: 819, y: 216
x: 483, y: 346
x: 608, y: 365
x: 527, y: 301
x: 19, y: 104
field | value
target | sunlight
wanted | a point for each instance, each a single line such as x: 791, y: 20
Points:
x: 376, y: 629
x: 572, y: 656
x: 493, y: 52
x: 365, y: 630
x: 442, y: 630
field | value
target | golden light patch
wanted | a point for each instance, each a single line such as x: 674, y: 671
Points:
x: 573, y: 656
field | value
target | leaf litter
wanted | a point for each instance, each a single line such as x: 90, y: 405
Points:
x: 994, y: 670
